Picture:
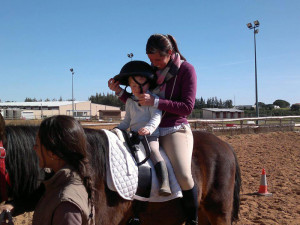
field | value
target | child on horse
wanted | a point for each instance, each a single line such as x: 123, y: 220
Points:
x: 176, y: 91
x: 144, y: 120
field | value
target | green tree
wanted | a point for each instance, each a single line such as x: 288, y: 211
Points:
x: 269, y: 106
x: 197, y: 104
x: 228, y: 104
x: 295, y: 107
x: 261, y: 105
x: 202, y: 103
x: 281, y: 103
x: 108, y: 99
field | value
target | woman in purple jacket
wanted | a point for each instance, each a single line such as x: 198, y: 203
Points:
x: 177, y: 84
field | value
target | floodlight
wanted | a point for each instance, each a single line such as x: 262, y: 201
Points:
x: 71, y: 70
x: 130, y: 55
x: 249, y: 25
x: 256, y: 23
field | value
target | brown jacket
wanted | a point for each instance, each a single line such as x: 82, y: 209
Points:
x: 65, y: 185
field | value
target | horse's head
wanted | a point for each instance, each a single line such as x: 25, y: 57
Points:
x: 21, y: 160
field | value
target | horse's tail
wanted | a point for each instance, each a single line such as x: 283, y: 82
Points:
x: 237, y: 188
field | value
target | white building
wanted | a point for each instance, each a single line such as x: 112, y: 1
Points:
x: 216, y: 113
x: 38, y: 110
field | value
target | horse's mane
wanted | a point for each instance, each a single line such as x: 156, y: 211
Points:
x: 22, y: 161
x: 97, y: 143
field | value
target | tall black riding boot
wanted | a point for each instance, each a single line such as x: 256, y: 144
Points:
x: 190, y: 204
x: 163, y: 178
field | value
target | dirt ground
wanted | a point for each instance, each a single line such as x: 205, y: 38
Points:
x: 279, y: 154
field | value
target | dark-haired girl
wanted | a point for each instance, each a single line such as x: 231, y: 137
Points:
x: 68, y: 198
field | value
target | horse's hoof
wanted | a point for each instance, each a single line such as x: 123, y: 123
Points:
x: 134, y: 221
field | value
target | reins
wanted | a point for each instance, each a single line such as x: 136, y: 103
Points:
x: 4, y: 178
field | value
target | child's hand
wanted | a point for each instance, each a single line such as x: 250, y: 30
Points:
x: 6, y: 207
x: 143, y: 131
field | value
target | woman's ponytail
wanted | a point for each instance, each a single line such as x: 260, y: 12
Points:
x: 174, y: 45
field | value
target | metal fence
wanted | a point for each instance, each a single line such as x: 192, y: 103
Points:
x: 247, y: 125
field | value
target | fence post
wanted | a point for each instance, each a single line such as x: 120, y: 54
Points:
x: 241, y: 124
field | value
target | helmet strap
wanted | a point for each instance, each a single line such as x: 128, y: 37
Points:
x: 141, y: 85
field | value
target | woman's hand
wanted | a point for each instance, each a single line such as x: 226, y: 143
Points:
x: 114, y: 86
x: 143, y: 131
x: 146, y: 99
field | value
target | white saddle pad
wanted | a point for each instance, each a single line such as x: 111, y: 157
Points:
x: 122, y: 172
x: 121, y: 169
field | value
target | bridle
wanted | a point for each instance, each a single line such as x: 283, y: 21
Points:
x: 4, y: 177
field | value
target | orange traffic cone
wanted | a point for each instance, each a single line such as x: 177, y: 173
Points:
x: 263, y: 189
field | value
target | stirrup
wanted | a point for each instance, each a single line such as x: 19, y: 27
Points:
x: 191, y: 222
x: 134, y: 221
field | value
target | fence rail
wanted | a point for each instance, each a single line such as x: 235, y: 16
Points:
x: 216, y: 126
x: 246, y: 125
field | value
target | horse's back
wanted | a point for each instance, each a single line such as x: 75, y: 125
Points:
x: 217, y: 171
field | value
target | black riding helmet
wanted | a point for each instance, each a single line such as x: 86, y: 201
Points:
x: 137, y: 68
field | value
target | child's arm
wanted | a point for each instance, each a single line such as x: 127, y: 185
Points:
x: 154, y: 121
x: 124, y: 125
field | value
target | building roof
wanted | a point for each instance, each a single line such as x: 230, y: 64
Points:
x: 222, y: 110
x: 50, y: 104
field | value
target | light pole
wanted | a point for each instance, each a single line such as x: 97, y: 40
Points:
x: 72, y: 71
x: 249, y: 25
x: 130, y: 55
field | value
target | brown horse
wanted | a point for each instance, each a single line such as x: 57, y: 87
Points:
x: 215, y: 170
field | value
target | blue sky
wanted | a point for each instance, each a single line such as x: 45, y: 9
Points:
x: 41, y: 40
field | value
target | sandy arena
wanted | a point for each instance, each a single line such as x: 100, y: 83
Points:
x: 279, y: 154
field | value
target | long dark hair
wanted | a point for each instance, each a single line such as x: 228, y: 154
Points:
x: 162, y: 43
x: 65, y: 137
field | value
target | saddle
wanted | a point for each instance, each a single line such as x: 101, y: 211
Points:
x: 130, y: 173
